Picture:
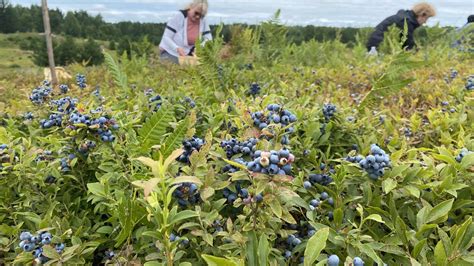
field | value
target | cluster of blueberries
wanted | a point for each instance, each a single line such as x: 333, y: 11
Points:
x: 254, y: 89
x: 321, y: 179
x: 242, y: 193
x: 452, y: 75
x: 190, y: 145
x: 445, y: 104
x: 183, y: 241
x: 470, y: 83
x: 328, y: 111
x: 81, y: 81
x: 234, y: 146
x: 187, y: 194
x: 63, y: 88
x: 188, y: 101
x: 65, y: 105
x: 86, y: 146
x: 101, y: 125
x: 28, y: 116
x: 333, y: 260
x: 65, y: 165
x: 293, y: 240
x: 53, y: 120
x: 462, y: 154
x: 96, y: 93
x: 155, y: 102
x: 276, y: 115
x: 375, y: 163
x: 270, y: 162
x: 35, y: 243
x: 40, y: 94
x: 314, y: 203
x: 45, y: 155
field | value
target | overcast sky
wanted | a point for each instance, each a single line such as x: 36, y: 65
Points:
x: 356, y: 13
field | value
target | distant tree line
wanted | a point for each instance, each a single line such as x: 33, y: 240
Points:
x: 127, y: 36
x: 82, y: 25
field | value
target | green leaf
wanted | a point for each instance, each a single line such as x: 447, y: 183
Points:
x: 207, y: 193
x: 252, y: 249
x: 147, y: 186
x: 276, y: 208
x: 188, y: 179
x: 153, y: 263
x: 315, y: 245
x: 172, y: 158
x: 440, y: 210
x: 374, y: 217
x: 217, y: 261
x: 175, y: 139
x: 461, y: 232
x: 412, y: 190
x: 235, y: 164
x: 182, y: 215
x: 50, y: 252
x: 418, y: 248
x: 119, y: 76
x: 467, y: 161
x: 96, y: 189
x: 154, y: 165
x: 370, y: 252
x: 440, y: 254
x: 154, y: 129
x: 445, y: 158
x: 388, y: 185
x: 263, y: 250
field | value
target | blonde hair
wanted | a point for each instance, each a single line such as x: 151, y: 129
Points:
x: 199, y: 3
x: 424, y: 10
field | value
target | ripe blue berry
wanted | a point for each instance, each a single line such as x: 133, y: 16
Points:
x: 333, y: 260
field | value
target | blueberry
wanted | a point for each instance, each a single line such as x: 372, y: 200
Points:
x: 324, y: 195
x: 25, y: 236
x: 331, y: 201
x: 244, y: 193
x: 28, y: 247
x: 307, y: 184
x: 296, y: 241
x: 314, y: 202
x: 358, y: 262
x: 173, y: 237
x: 333, y: 260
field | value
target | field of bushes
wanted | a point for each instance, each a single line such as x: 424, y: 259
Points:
x: 267, y: 153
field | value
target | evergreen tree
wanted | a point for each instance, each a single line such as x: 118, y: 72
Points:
x: 67, y: 52
x: 71, y: 25
x: 92, y: 53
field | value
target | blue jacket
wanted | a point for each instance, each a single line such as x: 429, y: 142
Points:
x: 399, y: 20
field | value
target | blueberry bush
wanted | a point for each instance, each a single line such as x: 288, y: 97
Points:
x: 319, y: 156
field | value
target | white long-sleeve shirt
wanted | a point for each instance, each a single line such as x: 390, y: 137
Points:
x: 175, y: 34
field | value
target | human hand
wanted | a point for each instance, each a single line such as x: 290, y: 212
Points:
x: 181, y: 51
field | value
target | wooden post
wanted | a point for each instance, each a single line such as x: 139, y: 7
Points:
x: 49, y: 41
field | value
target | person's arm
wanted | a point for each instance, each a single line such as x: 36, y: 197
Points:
x: 410, y: 42
x: 378, y: 35
x: 170, y: 31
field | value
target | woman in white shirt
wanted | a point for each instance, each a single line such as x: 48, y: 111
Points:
x: 182, y: 31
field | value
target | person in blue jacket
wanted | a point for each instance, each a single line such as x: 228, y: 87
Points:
x: 182, y: 31
x: 414, y: 18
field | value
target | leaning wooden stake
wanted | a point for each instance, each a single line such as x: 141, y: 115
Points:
x: 49, y: 41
